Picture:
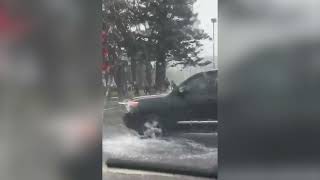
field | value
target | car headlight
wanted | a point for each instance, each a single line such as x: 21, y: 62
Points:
x: 129, y: 105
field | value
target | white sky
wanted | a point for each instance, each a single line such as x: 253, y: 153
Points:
x: 206, y: 10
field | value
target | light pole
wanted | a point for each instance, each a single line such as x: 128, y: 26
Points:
x: 213, y: 20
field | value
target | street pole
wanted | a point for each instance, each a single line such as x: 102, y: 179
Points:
x: 213, y: 20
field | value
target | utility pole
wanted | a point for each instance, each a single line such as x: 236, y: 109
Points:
x: 213, y: 20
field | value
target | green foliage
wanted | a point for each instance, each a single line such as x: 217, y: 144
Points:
x: 155, y: 30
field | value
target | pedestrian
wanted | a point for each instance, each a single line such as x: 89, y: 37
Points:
x: 173, y: 85
x: 166, y: 84
x: 136, y: 88
x: 147, y: 90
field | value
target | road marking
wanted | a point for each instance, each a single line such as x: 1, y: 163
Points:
x: 197, y: 122
x: 109, y: 108
x: 104, y: 168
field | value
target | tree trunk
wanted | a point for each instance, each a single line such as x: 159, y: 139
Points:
x: 120, y: 81
x: 133, y: 70
x: 117, y: 79
x: 160, y: 73
x: 148, y: 74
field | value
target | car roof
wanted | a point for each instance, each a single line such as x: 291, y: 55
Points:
x: 211, y: 72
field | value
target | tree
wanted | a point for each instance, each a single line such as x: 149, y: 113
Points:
x: 156, y: 30
x: 171, y: 34
x: 122, y: 16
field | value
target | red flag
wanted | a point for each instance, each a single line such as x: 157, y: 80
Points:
x: 105, y: 52
x: 11, y: 27
x: 105, y: 66
x: 104, y: 37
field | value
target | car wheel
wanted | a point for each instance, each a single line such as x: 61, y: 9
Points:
x: 152, y: 127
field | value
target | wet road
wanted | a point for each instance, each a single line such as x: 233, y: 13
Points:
x: 182, y: 151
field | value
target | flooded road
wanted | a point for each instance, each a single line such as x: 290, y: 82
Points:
x: 183, y: 151
x: 174, y: 150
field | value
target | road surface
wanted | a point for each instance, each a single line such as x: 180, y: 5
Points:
x: 181, y: 151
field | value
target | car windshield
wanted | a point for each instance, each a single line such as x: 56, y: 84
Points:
x: 151, y: 49
x: 201, y: 82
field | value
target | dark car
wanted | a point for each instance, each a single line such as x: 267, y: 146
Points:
x: 191, y: 107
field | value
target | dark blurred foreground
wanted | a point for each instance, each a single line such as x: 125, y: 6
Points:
x: 269, y: 90
x: 51, y: 102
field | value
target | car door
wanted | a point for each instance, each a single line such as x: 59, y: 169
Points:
x: 196, y: 98
x: 199, y: 104
x: 211, y: 122
x: 212, y: 98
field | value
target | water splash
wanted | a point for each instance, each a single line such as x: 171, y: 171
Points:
x: 132, y: 147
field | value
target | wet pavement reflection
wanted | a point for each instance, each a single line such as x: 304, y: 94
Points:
x: 180, y: 150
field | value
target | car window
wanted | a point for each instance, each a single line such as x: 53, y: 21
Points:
x: 197, y: 84
x: 212, y: 83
